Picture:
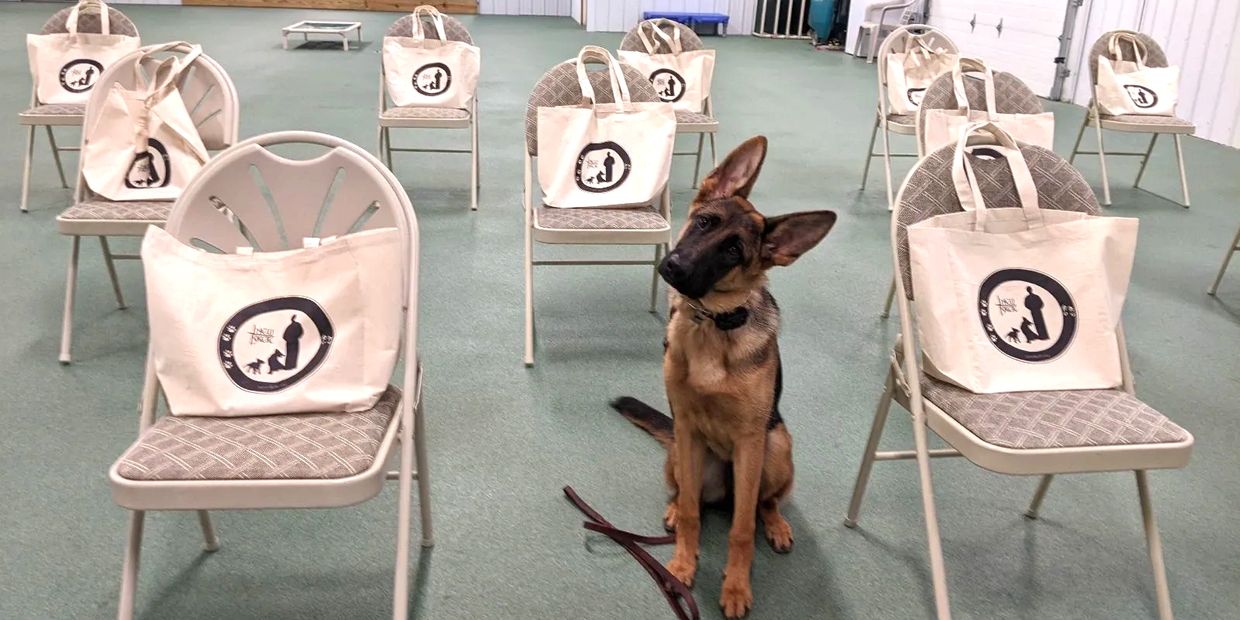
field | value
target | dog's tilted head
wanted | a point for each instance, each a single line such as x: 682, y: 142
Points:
x: 726, y: 245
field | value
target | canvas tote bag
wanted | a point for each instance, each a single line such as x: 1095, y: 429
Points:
x: 1128, y: 87
x: 65, y: 66
x: 604, y: 154
x: 315, y: 329
x: 680, y: 78
x: 1021, y: 299
x: 943, y: 127
x: 143, y: 145
x: 911, y: 72
x: 432, y: 73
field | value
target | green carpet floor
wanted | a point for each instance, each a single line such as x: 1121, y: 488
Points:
x: 504, y: 439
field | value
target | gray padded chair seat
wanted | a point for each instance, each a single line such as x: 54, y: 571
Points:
x: 1062, y: 419
x: 902, y: 119
x: 637, y: 218
x: 291, y: 446
x: 685, y: 119
x: 57, y: 109
x: 108, y: 217
x: 415, y: 112
x: 1147, y: 122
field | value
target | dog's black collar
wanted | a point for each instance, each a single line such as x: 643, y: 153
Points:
x: 725, y: 321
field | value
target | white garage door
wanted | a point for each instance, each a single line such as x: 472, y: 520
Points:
x: 1017, y: 36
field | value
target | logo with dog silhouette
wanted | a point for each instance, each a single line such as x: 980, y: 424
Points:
x: 274, y: 344
x: 602, y: 166
x: 149, y: 168
x: 915, y: 96
x: 432, y: 79
x: 668, y: 85
x: 1141, y: 96
x: 1027, y: 314
x: 78, y: 76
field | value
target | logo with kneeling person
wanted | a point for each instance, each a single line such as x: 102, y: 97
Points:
x: 274, y: 344
x: 668, y: 85
x: 1027, y: 315
x: 150, y: 168
x: 78, y: 76
x: 1141, y: 96
x: 602, y: 167
x: 432, y: 79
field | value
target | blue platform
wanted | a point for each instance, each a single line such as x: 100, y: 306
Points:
x: 719, y: 20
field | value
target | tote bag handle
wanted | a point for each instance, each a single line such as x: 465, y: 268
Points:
x: 163, y: 82
x: 436, y: 20
x: 619, y: 88
x: 988, y: 79
x: 1138, y: 48
x: 918, y: 49
x: 71, y: 24
x: 673, y: 41
x: 967, y: 190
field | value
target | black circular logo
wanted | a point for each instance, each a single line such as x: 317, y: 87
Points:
x: 602, y: 166
x: 432, y: 79
x: 668, y: 85
x: 78, y: 76
x: 1141, y: 96
x: 915, y: 95
x: 1027, y: 315
x: 149, y: 168
x: 261, y: 347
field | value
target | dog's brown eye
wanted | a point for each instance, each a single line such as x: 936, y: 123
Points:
x: 703, y: 221
x: 734, y: 251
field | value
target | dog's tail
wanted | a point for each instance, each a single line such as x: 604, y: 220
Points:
x: 645, y: 417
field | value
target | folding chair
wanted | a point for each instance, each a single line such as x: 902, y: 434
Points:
x: 415, y: 117
x: 647, y: 225
x: 50, y: 115
x: 903, y: 124
x: 294, y: 460
x: 1018, y: 433
x: 1232, y: 249
x: 1012, y: 96
x: 703, y: 123
x: 871, y: 31
x: 211, y: 100
x: 1131, y: 123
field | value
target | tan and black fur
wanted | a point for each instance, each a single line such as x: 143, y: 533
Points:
x: 722, y: 370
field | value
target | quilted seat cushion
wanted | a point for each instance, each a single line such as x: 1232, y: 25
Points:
x: 135, y: 210
x: 902, y: 119
x: 639, y: 218
x: 1060, y: 419
x: 426, y: 113
x: 1149, y: 122
x: 694, y: 118
x: 290, y: 446
x: 57, y: 109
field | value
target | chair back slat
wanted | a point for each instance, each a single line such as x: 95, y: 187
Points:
x: 559, y: 87
x: 1154, y: 54
x: 452, y: 27
x: 1012, y: 96
x: 118, y: 23
x: 689, y: 40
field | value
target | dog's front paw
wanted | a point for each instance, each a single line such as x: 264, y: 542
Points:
x: 737, y: 598
x: 682, y: 570
x: 779, y: 534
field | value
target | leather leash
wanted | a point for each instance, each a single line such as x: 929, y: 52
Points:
x: 677, y: 594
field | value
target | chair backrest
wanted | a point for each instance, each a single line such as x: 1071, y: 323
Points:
x: 897, y: 43
x: 929, y: 191
x: 1012, y: 96
x: 559, y: 86
x: 689, y: 40
x: 249, y: 196
x: 208, y: 92
x: 1154, y: 54
x: 452, y: 27
x: 89, y: 21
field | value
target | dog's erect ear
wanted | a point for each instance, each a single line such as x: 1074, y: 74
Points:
x: 736, y: 175
x: 787, y: 237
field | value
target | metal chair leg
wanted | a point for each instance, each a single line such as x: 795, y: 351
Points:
x: 891, y: 297
x: 424, y: 474
x: 714, y: 158
x: 1232, y: 249
x: 379, y: 150
x: 210, y: 542
x: 869, y: 152
x: 697, y: 160
x: 387, y: 146
x: 1161, y: 591
x: 1038, y: 496
x: 891, y: 199
x: 473, y: 156
x: 66, y: 328
x: 654, y: 278
x: 938, y: 570
x: 529, y: 297
x: 1102, y: 161
x: 871, y: 446
x: 400, y: 589
x: 111, y: 265
x: 26, y: 168
x: 129, y: 570
x: 1145, y: 159
x: 51, y: 139
x: 1179, y: 155
x: 1076, y: 146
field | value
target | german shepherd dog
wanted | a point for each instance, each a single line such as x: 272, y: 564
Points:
x: 722, y: 370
